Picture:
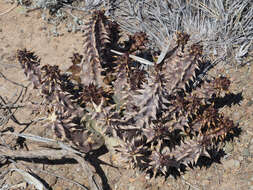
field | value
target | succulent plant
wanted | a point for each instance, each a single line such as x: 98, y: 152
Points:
x: 152, y: 117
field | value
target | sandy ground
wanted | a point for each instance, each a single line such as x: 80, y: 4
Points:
x: 20, y: 30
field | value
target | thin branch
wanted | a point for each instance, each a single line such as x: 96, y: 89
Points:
x: 56, y: 154
x: 9, y: 10
x: 3, y: 174
x: 2, y: 75
x: 66, y: 151
x: 52, y: 142
x: 60, y: 177
x: 91, y: 177
x: 11, y: 114
x: 192, y: 186
x: 10, y: 106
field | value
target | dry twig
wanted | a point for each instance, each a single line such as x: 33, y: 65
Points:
x: 60, y: 177
x: 64, y: 152
x: 9, y: 10
x: 55, y: 154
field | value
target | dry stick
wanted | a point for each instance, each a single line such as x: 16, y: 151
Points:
x: 4, y: 117
x: 15, y: 83
x: 49, y: 141
x: 190, y: 185
x: 56, y: 154
x: 2, y: 75
x: 9, y: 10
x: 2, y: 175
x: 28, y: 176
x: 11, y: 114
x: 58, y: 176
x: 92, y: 181
x: 4, y: 143
x: 136, y: 58
x: 11, y: 106
x: 33, y: 155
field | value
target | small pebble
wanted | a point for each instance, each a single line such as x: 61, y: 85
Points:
x: 237, y: 164
x: 147, y: 176
x: 229, y: 164
x: 246, y: 152
x: 236, y: 116
x: 229, y: 147
x: 186, y: 176
x: 249, y: 103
